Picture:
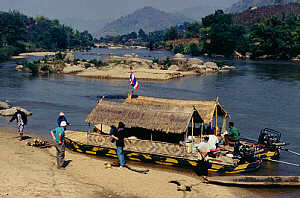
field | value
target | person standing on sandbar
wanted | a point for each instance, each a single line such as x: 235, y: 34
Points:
x: 58, y: 135
x: 21, y: 118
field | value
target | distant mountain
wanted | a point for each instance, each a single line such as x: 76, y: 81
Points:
x: 258, y: 15
x: 147, y: 18
x: 198, y: 12
x: 91, y: 25
x: 243, y: 5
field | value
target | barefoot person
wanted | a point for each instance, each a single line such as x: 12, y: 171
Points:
x: 233, y: 134
x: 58, y: 135
x: 21, y: 118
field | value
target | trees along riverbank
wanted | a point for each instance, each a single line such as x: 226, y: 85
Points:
x: 216, y: 34
x: 20, y: 33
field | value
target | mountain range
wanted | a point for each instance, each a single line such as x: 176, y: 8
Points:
x: 148, y: 18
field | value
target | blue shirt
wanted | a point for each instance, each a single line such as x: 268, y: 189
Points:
x: 57, y: 131
x: 60, y: 119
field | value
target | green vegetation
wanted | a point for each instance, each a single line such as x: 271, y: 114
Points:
x: 216, y: 34
x: 97, y: 62
x: 19, y: 33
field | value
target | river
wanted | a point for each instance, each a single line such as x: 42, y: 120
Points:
x: 257, y: 94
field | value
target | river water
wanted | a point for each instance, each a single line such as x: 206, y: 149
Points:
x: 257, y: 94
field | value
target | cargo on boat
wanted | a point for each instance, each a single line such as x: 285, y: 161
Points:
x: 159, y: 131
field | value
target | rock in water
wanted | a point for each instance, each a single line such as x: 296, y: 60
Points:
x: 4, y: 105
x: 12, y: 111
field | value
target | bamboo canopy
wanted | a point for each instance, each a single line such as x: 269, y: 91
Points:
x: 169, y: 119
x: 206, y: 109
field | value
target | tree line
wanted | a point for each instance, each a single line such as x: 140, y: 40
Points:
x: 20, y: 33
x: 216, y: 34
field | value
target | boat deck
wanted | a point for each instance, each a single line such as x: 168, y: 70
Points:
x: 143, y: 146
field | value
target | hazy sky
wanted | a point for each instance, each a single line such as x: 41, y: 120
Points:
x: 101, y: 9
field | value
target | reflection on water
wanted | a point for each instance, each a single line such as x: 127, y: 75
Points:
x: 257, y: 95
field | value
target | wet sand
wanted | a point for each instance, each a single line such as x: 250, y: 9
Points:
x: 31, y: 172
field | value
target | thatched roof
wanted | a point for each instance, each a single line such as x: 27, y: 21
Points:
x: 173, y: 119
x: 206, y: 109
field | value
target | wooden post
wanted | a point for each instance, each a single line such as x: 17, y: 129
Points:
x: 193, y: 130
x: 224, y: 124
x: 151, y: 136
x: 202, y: 129
x: 216, y: 119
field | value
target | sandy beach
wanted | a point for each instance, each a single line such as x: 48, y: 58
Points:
x: 31, y: 172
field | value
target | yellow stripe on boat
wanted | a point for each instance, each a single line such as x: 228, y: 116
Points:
x: 147, y: 157
x: 91, y: 152
x: 172, y: 160
x: 193, y: 163
x: 79, y: 150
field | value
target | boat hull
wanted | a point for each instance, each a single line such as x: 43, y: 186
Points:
x: 256, y: 180
x: 162, y: 160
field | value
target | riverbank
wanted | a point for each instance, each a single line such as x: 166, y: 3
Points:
x: 31, y: 172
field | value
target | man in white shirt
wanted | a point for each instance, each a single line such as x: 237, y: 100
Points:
x: 202, y: 164
x: 213, y: 141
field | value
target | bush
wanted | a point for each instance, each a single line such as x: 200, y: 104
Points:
x: 33, y: 67
x: 59, y: 56
x: 155, y: 60
x: 7, y: 52
x: 87, y: 65
x: 179, y: 49
x: 96, y: 62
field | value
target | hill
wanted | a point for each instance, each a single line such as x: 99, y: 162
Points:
x: 243, y: 5
x: 258, y: 15
x: 147, y: 18
x: 91, y: 25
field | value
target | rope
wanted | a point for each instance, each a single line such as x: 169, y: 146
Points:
x: 288, y: 163
x: 288, y: 150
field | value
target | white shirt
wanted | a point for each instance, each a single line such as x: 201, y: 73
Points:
x: 203, y: 147
x: 213, y: 140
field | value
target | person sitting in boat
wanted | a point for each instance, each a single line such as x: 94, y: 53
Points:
x: 233, y: 134
x: 61, y: 118
x: 213, y: 142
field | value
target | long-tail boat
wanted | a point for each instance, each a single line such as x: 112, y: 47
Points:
x: 157, y: 127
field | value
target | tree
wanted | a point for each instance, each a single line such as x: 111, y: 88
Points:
x: 142, y: 35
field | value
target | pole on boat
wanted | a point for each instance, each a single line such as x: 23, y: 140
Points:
x: 216, y: 115
x: 193, y: 130
x: 283, y: 162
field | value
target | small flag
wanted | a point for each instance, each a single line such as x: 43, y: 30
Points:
x: 133, y: 82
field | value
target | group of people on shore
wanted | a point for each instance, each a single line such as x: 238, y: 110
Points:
x: 58, y: 133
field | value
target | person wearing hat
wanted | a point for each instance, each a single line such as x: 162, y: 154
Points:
x: 58, y: 135
x: 62, y: 118
x: 21, y: 118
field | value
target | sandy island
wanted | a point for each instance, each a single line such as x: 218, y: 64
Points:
x: 31, y: 172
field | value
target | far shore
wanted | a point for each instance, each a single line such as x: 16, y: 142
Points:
x: 31, y: 172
